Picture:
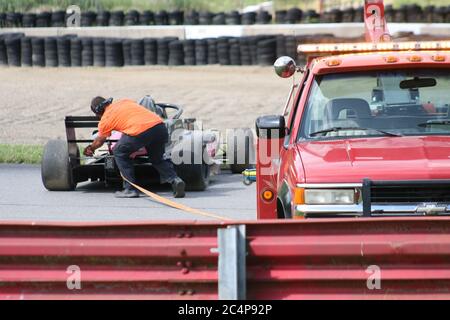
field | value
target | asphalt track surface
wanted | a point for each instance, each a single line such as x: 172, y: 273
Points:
x: 23, y: 198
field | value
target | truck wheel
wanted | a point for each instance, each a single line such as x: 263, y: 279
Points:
x: 56, y: 170
x: 240, y: 150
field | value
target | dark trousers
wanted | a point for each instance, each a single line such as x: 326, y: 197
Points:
x: 154, y: 140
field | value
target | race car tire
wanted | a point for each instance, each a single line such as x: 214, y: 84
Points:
x: 56, y: 170
x: 237, y: 140
x: 196, y: 176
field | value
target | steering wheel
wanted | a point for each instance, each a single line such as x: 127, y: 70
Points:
x: 179, y: 110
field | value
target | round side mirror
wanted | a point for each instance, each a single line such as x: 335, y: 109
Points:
x: 285, y: 67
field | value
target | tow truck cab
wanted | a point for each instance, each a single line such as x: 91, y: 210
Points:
x: 365, y: 133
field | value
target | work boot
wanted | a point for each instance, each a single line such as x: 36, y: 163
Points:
x: 178, y: 187
x: 127, y: 194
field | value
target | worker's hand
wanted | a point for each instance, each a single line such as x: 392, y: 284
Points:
x: 88, y: 151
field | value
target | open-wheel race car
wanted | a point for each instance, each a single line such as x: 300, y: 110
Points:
x: 63, y: 167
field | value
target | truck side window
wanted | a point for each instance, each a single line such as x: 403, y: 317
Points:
x: 296, y: 100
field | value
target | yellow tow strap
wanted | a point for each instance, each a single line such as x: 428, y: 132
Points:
x: 174, y: 204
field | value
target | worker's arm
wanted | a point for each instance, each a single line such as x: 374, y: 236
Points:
x: 98, y: 142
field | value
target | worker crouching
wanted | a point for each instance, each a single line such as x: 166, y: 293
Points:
x: 140, y: 128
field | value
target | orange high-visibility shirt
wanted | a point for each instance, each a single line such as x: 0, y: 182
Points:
x: 128, y: 117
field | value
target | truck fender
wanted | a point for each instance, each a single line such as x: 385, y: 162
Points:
x: 285, y: 198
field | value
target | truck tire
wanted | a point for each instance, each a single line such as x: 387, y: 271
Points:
x: 56, y: 170
x: 238, y: 140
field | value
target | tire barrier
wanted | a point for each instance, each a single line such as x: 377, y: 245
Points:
x: 98, y: 45
x: 87, y: 52
x: 407, y: 13
x: 137, y: 52
x: 176, y: 53
x: 26, y: 52
x: 114, y: 54
x: 201, y: 52
x: 51, y: 52
x: 13, y: 51
x: 63, y: 50
x: 150, y: 52
x: 72, y: 51
x: 75, y: 52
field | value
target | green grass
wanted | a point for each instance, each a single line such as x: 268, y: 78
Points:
x: 27, y: 154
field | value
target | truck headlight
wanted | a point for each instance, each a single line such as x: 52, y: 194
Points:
x: 331, y: 197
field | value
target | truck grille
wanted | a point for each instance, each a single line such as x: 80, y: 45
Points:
x: 411, y: 193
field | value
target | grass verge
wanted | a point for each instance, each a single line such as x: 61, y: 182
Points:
x: 26, y: 154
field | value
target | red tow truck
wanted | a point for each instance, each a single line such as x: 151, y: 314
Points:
x: 365, y: 132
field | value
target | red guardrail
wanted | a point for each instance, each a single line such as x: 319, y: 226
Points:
x: 330, y: 259
x: 314, y: 259
x: 152, y: 261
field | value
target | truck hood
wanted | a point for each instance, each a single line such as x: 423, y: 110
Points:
x: 387, y: 158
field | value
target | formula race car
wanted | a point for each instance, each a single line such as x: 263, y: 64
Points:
x: 63, y: 167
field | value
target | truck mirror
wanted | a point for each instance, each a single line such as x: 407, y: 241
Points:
x: 271, y: 127
x: 285, y: 67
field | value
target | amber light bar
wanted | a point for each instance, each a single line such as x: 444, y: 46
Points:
x: 373, y: 47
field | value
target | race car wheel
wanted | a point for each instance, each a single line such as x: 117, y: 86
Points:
x: 195, y: 176
x: 240, y: 150
x: 56, y: 170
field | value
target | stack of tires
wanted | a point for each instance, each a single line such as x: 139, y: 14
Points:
x: 263, y: 17
x: 150, y: 51
x: 137, y: 52
x: 245, y: 52
x: 233, y: 18
x: 51, y: 52
x: 249, y: 18
x: 12, y: 45
x: 176, y: 53
x: 26, y: 52
x: 29, y: 20
x: 162, y: 46
x: 212, y: 51
x: 63, y: 49
x: 114, y: 53
x: 126, y: 49
x: 98, y: 45
x: 87, y: 52
x: 147, y: 18
x: 223, y: 51
x: 219, y: 19
x: 75, y: 52
x: 176, y: 18
x: 131, y: 18
x: 88, y: 19
x: 266, y: 50
x: 116, y: 18
x: 205, y: 18
x: 162, y: 18
x: 38, y: 52
x: 103, y: 18
x: 58, y: 19
x: 191, y: 18
x: 201, y: 52
x: 44, y: 19
x: 189, y: 52
x: 235, y: 52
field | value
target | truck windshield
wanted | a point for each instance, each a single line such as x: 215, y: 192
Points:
x: 387, y: 103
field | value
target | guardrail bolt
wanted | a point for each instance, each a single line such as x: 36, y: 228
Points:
x: 189, y: 235
x: 188, y: 264
x: 190, y: 292
x: 185, y: 271
x: 180, y: 264
x: 180, y: 235
x: 181, y: 292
